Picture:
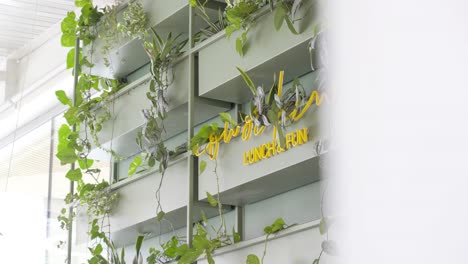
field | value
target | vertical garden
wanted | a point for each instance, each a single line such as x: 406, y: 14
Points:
x: 211, y: 116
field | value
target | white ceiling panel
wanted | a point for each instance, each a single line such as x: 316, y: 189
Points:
x: 23, y: 20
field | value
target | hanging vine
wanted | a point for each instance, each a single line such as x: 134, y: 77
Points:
x: 95, y: 92
x: 74, y: 146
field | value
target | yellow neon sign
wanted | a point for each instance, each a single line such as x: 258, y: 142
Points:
x: 272, y: 148
x: 249, y: 128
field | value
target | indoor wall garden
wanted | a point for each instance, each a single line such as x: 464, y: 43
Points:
x: 151, y: 73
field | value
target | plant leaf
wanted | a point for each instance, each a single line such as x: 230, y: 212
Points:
x: 134, y: 165
x: 68, y: 40
x: 138, y: 244
x: 87, y: 165
x: 235, y: 236
x: 280, y: 14
x: 239, y: 46
x: 63, y: 98
x: 202, y: 166
x: 291, y: 26
x: 71, y: 58
x: 81, y: 3
x: 211, y: 199
x: 229, y: 30
x: 66, y: 155
x: 252, y: 259
x: 248, y: 81
x: 226, y: 117
x: 161, y: 215
x: 74, y: 175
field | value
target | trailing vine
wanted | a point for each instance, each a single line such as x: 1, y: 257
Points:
x: 242, y: 14
x: 94, y: 92
x: 83, y: 123
x: 162, y: 54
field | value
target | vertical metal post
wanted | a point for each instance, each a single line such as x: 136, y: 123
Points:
x: 49, y: 187
x: 191, y: 106
x: 239, y: 214
x: 76, y: 71
x: 239, y: 211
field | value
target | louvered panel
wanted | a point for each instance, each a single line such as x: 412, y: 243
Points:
x: 23, y: 20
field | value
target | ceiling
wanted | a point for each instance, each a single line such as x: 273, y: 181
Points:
x: 23, y: 20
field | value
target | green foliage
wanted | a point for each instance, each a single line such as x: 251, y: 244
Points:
x: 202, y: 166
x: 134, y: 165
x: 74, y: 147
x: 134, y: 21
x: 278, y: 225
x: 252, y: 259
x: 235, y: 236
x: 213, y: 26
x: 63, y: 98
x: 211, y: 199
x: 74, y: 175
x: 248, y: 81
x: 226, y: 117
x: 286, y: 11
x: 160, y: 216
x: 240, y: 17
x: 272, y: 110
x: 203, y: 136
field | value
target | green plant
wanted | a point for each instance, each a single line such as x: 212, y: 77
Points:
x: 274, y: 228
x: 213, y: 27
x: 134, y: 21
x: 74, y: 146
x: 109, y: 32
x: 84, y: 26
x: 101, y: 240
x: 286, y: 11
x: 240, y: 17
x: 162, y: 54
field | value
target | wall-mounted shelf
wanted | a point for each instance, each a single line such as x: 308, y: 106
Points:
x: 268, y: 52
x: 297, y: 244
x: 244, y: 184
x: 120, y: 133
x: 135, y: 213
x: 216, y: 83
x: 129, y: 55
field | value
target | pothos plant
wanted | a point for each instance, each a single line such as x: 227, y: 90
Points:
x: 241, y: 15
x: 133, y: 24
x: 83, y: 123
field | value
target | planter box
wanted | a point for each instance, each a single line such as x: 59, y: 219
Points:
x: 268, y: 52
x: 120, y: 132
x: 135, y: 213
x: 241, y: 184
x: 298, y: 244
x: 129, y: 55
